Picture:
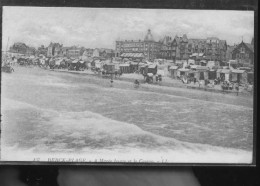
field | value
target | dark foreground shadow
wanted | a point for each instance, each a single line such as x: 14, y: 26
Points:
x: 127, y: 176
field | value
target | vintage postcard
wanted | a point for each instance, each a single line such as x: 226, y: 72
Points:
x: 115, y: 85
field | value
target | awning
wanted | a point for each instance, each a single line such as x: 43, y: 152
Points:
x: 132, y: 55
x: 152, y: 66
x: 193, y: 66
x: 203, y: 61
x: 174, y: 67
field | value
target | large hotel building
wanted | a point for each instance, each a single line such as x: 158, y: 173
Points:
x: 177, y: 48
x: 147, y: 48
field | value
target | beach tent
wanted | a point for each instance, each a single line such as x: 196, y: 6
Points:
x: 183, y: 71
x: 75, y: 61
x: 161, y: 72
x: 224, y: 74
x: 98, y: 64
x: 173, y: 71
x: 152, y: 68
x: 250, y: 77
x: 58, y: 62
x: 191, y: 61
x: 239, y: 76
x: 133, y: 66
x: 125, y: 68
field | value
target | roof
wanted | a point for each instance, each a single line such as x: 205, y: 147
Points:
x: 184, y: 70
x: 233, y: 61
x: 178, y: 62
x: 133, y: 63
x: 194, y: 54
x: 193, y: 66
x: 244, y: 68
x: 124, y: 65
x: 191, y: 61
x: 250, y: 46
x: 238, y: 71
x: 75, y: 61
x: 202, y: 68
x: 149, y: 36
x: 225, y: 71
x: 58, y: 61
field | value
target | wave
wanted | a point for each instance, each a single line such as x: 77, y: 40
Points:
x: 93, y: 137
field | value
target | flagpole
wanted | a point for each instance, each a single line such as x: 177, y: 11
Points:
x: 7, y: 46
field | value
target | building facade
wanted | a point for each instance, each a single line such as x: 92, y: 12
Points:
x: 54, y: 50
x: 31, y: 51
x: 244, y: 54
x: 19, y: 47
x: 22, y: 48
x: 150, y: 48
x: 41, y: 51
x: 177, y: 48
x: 211, y: 48
x: 167, y: 48
x: 75, y: 52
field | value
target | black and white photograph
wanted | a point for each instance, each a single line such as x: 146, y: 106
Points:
x: 127, y: 85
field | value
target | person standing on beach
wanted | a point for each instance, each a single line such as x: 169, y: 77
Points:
x: 237, y: 88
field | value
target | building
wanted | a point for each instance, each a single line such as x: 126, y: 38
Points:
x: 22, y: 48
x: 148, y: 47
x: 244, y: 54
x: 103, y: 53
x: 54, y: 49
x: 88, y: 52
x: 210, y: 48
x: 31, y: 51
x: 167, y: 48
x: 75, y: 52
x: 42, y: 51
x: 19, y: 47
x: 64, y: 51
x: 229, y: 52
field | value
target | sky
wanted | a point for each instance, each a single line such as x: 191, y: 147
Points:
x: 100, y: 27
